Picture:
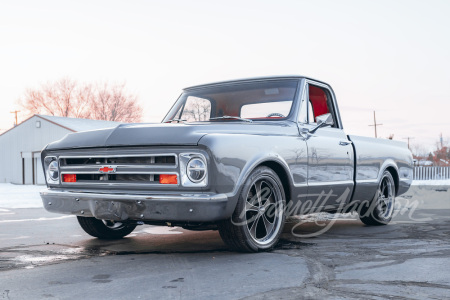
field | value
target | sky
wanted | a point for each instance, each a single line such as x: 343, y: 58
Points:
x: 389, y: 56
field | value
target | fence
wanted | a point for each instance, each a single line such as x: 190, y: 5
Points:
x: 431, y: 173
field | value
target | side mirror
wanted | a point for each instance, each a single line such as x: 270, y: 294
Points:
x: 322, y: 121
x: 325, y: 119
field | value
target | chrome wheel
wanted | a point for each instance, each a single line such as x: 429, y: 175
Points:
x: 105, y: 229
x: 386, y: 197
x: 380, y: 209
x: 113, y: 225
x: 258, y: 218
x: 263, y: 213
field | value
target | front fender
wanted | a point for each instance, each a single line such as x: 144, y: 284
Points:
x: 260, y: 159
x: 234, y: 157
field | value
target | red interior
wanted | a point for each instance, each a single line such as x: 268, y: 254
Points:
x: 318, y: 99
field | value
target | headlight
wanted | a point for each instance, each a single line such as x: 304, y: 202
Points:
x: 196, y: 170
x: 51, y: 169
x: 193, y: 170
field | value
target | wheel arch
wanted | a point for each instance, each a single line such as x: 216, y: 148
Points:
x: 390, y: 166
x: 282, y: 173
x: 395, y: 175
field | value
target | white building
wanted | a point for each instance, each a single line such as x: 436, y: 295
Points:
x: 20, y: 146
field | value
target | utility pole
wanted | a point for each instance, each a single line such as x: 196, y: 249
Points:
x: 15, y: 113
x: 375, y: 124
x: 408, y: 138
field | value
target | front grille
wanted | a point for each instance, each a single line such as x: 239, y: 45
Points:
x: 169, y: 160
x: 142, y: 169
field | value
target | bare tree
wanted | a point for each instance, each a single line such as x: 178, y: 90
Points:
x: 68, y: 98
x: 54, y: 98
x: 197, y: 109
x: 419, y: 150
x: 113, y: 103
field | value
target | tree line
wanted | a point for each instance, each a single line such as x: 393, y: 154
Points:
x: 439, y: 157
x: 68, y: 98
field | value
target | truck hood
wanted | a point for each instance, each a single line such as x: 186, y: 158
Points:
x: 164, y: 134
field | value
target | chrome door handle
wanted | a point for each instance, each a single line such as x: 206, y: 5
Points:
x: 342, y: 143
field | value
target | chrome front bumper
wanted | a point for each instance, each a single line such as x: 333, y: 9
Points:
x: 122, y: 207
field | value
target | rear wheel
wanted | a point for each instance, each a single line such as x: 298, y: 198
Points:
x: 258, y: 218
x: 105, y: 229
x: 381, y: 208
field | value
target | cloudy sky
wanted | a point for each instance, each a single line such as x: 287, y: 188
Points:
x: 388, y: 56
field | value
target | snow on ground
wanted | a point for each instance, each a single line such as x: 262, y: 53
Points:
x: 27, y: 196
x: 431, y: 182
x: 20, y: 196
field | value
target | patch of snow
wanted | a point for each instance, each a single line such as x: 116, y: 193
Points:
x: 39, y: 219
x: 160, y: 230
x: 20, y: 196
x: 38, y: 260
x: 431, y: 182
x: 10, y: 213
x: 20, y: 237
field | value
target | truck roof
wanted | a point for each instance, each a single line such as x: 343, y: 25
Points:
x: 252, y: 79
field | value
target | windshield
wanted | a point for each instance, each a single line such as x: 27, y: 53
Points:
x: 262, y: 100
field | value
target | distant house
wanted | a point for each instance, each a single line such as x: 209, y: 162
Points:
x: 20, y: 146
x: 424, y: 163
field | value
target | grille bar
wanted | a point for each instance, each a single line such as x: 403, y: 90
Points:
x: 131, y: 159
x: 118, y: 169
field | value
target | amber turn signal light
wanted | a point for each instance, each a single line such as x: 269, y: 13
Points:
x: 70, y: 178
x: 168, y: 179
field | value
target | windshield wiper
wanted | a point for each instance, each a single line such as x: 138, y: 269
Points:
x: 176, y: 120
x: 232, y: 117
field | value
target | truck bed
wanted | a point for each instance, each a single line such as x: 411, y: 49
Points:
x: 372, y: 157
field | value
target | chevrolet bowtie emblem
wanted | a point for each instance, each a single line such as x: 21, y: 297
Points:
x: 107, y: 169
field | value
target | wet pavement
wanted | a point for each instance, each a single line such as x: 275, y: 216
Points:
x: 45, y: 255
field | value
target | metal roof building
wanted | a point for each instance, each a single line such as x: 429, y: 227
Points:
x: 20, y: 146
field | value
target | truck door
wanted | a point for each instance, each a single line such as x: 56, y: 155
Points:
x: 330, y: 153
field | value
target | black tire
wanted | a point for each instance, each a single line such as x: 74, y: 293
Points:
x: 258, y: 219
x: 107, y: 230
x: 380, y: 209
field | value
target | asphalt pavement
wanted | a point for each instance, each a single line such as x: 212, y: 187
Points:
x: 48, y: 256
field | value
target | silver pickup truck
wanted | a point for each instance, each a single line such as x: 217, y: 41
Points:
x: 237, y: 156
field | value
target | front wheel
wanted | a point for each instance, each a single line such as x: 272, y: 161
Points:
x: 258, y: 219
x: 380, y: 210
x: 105, y: 229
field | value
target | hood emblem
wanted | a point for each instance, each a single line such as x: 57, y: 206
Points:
x: 107, y: 169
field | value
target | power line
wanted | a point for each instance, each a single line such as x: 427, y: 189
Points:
x: 375, y: 124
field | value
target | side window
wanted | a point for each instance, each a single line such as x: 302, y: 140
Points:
x: 195, y: 109
x: 319, y: 103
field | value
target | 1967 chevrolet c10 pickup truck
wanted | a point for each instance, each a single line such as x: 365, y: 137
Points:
x: 237, y: 156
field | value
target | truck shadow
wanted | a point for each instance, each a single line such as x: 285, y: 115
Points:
x: 295, y: 236
x: 148, y: 243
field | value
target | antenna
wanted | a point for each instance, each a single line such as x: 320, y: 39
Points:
x: 375, y: 124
